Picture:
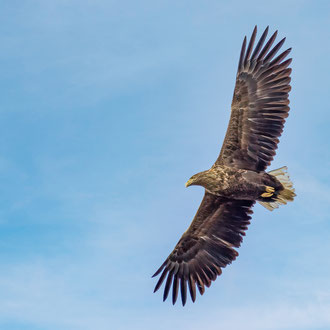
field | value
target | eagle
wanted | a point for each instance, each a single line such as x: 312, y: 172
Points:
x: 238, y: 178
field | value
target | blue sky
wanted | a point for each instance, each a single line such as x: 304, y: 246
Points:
x: 106, y: 109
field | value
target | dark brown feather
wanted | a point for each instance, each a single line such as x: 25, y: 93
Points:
x: 260, y: 44
x: 183, y: 290
x: 250, y: 46
x: 192, y: 287
x: 267, y: 46
x: 175, y: 288
x: 167, y: 285
x: 241, y: 58
x: 161, y: 279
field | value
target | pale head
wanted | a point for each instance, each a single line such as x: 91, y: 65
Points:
x: 199, y: 179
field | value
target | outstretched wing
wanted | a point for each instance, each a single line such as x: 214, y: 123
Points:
x: 259, y: 106
x: 206, y: 247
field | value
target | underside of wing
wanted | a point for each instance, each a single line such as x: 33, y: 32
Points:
x: 260, y: 105
x: 206, y: 247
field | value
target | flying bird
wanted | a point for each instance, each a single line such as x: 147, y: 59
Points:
x: 238, y: 178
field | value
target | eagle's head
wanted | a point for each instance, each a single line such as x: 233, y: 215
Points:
x: 200, y: 179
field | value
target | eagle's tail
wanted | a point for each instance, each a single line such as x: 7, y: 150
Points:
x: 282, y: 196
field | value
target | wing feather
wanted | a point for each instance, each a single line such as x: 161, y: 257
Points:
x: 259, y: 107
x: 192, y: 286
x: 206, y: 247
x: 260, y: 44
x: 250, y: 46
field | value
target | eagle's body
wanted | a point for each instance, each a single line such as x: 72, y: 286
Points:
x: 231, y: 183
x: 238, y: 178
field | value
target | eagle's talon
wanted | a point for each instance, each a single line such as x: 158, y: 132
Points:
x: 270, y: 189
x: 265, y: 194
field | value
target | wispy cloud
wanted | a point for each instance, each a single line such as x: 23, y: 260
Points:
x: 107, y: 108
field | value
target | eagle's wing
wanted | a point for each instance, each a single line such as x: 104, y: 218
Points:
x: 206, y: 247
x: 259, y: 106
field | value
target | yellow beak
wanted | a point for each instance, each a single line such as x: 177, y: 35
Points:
x: 188, y: 183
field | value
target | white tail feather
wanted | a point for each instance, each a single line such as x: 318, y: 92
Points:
x: 285, y: 195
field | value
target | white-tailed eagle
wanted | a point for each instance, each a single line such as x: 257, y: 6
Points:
x: 237, y: 179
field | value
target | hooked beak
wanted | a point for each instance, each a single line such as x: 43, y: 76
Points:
x: 188, y: 183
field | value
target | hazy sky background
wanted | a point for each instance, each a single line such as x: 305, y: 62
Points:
x: 106, y: 109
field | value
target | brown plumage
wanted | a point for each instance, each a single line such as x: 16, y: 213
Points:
x: 238, y: 178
